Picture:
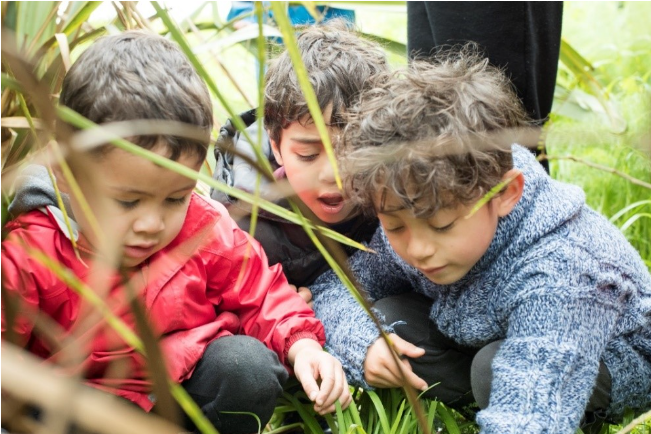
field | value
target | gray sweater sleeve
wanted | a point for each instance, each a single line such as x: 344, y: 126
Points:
x: 544, y: 372
x: 349, y: 329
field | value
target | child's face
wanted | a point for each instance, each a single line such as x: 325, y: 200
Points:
x: 444, y: 247
x: 310, y: 173
x: 139, y: 204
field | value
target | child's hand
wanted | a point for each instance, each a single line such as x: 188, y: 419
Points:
x: 311, y: 363
x: 381, y: 369
x: 305, y: 294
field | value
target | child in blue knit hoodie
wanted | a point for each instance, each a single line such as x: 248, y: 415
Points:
x: 549, y: 301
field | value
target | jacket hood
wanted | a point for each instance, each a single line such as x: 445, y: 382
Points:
x: 34, y: 190
x: 545, y: 205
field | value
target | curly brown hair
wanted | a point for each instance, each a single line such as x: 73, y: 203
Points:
x: 339, y: 63
x: 435, y: 135
x: 138, y: 75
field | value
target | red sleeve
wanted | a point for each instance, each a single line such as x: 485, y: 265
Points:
x: 20, y: 298
x: 268, y: 308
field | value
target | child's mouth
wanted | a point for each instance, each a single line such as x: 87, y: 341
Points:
x: 139, y: 251
x: 331, y: 204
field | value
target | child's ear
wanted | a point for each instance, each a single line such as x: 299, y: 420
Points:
x: 276, y: 150
x: 512, y: 194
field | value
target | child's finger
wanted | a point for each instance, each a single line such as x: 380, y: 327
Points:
x: 388, y: 376
x: 346, y: 397
x: 412, y: 379
x: 405, y: 348
x: 305, y: 294
x: 327, y: 383
x: 308, y: 382
x: 337, y: 389
x: 324, y: 410
x: 334, y: 394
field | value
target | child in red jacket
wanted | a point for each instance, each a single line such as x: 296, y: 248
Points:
x: 229, y: 326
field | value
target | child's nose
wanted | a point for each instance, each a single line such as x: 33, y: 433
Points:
x: 420, y: 247
x: 149, y: 223
x: 327, y: 173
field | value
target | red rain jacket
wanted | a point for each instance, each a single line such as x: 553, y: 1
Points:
x: 211, y: 281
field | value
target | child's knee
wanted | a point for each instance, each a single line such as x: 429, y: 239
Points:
x: 481, y: 373
x: 237, y: 374
x: 247, y: 362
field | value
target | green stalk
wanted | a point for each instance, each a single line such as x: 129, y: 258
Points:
x: 185, y: 47
x: 289, y: 39
x: 79, y: 121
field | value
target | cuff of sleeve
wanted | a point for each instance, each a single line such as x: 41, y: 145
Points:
x: 297, y: 337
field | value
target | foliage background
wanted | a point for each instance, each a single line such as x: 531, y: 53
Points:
x: 599, y: 137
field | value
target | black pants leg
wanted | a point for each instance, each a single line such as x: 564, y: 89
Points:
x: 445, y: 363
x: 236, y: 374
x: 522, y: 37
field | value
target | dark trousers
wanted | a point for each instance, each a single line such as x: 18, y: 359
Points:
x: 522, y: 37
x: 236, y: 374
x: 462, y: 374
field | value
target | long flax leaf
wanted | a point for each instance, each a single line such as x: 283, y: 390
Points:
x: 380, y: 410
x: 638, y: 204
x: 308, y: 91
x: 448, y: 420
x: 342, y: 421
x: 32, y: 128
x: 398, y: 418
x: 77, y: 194
x: 67, y: 277
x: 180, y: 39
x: 582, y: 69
x: 352, y: 408
x: 259, y: 112
x: 336, y: 267
x: 80, y: 17
x: 488, y: 196
x: 633, y: 219
x: 431, y: 412
x: 102, y: 135
x: 48, y: 24
x: 66, y: 218
x: 306, y: 415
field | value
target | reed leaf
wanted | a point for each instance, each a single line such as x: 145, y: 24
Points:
x: 308, y: 91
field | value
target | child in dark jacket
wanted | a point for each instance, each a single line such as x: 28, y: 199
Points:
x: 229, y: 326
x: 503, y: 261
x: 340, y: 65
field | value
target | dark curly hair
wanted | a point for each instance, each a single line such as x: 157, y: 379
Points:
x: 435, y: 134
x: 339, y: 63
x: 137, y: 75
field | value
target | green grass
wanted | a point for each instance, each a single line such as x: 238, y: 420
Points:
x: 614, y: 37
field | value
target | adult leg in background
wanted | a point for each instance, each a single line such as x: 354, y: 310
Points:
x: 521, y: 37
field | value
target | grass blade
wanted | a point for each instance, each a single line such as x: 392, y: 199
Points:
x: 308, y: 91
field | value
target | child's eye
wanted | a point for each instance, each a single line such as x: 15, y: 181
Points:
x: 443, y: 228
x: 394, y: 230
x: 311, y: 157
x: 176, y: 200
x: 127, y: 204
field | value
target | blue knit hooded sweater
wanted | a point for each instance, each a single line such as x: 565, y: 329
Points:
x: 559, y: 284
